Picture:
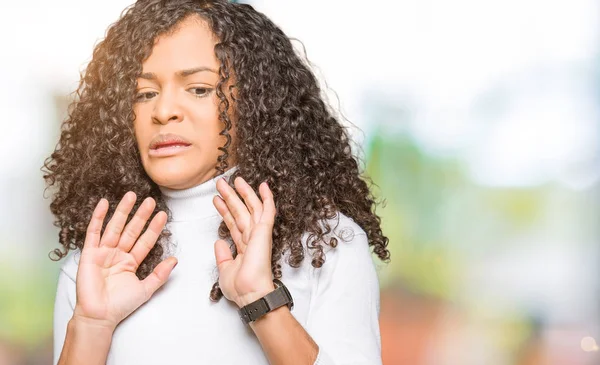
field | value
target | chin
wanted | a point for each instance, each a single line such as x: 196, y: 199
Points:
x: 168, y: 181
x: 173, y: 176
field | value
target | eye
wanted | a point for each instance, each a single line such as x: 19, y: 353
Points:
x: 145, y: 96
x: 200, y: 92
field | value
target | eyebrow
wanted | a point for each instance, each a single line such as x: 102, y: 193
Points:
x: 181, y: 73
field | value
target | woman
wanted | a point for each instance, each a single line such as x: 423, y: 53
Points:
x: 186, y: 111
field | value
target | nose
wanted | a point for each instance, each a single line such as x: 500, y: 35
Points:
x: 167, y: 109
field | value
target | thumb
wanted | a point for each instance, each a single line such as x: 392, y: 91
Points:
x: 222, y: 254
x: 159, y: 276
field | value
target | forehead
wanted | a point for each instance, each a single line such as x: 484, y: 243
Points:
x: 190, y: 44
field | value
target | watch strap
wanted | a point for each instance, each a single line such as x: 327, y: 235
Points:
x: 275, y: 299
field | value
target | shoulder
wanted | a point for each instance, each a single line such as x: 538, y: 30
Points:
x: 345, y: 231
x: 351, y: 243
x: 348, y: 268
x: 70, y: 264
x: 351, y: 248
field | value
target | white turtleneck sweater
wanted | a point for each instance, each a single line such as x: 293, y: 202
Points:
x: 338, y: 304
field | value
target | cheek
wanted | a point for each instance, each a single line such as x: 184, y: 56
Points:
x: 208, y: 126
x: 139, y: 136
x: 210, y: 140
x: 140, y: 129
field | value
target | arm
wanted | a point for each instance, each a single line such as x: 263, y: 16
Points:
x: 343, y: 318
x: 344, y: 313
x: 85, y: 343
x: 248, y: 277
x: 283, y: 339
x: 345, y: 301
x: 106, y: 289
x: 75, y: 340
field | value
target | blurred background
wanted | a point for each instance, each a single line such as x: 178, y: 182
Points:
x: 479, y: 121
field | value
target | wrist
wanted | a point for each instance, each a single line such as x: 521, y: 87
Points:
x: 87, y: 342
x: 92, y: 325
x: 277, y: 315
x: 251, y: 297
x: 273, y: 300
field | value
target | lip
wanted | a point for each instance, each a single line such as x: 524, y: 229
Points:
x: 168, y: 144
x: 168, y: 151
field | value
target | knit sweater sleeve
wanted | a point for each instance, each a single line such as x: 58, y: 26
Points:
x: 344, y: 311
x: 64, y: 303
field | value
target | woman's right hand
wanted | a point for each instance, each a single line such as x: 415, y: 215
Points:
x: 108, y: 289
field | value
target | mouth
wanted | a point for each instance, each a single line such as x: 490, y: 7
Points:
x: 168, y: 145
x: 170, y: 149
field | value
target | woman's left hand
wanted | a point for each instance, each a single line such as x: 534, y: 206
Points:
x: 247, y: 277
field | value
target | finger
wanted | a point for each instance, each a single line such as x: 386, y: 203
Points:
x: 222, y: 254
x: 261, y: 248
x: 92, y: 237
x: 159, y: 276
x: 237, y: 208
x: 236, y: 235
x: 252, y: 201
x: 115, y: 226
x: 136, y: 225
x: 145, y: 243
x: 269, y: 210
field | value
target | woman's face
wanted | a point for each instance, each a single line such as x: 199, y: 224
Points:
x: 176, y: 108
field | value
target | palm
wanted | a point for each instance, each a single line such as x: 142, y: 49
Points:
x: 112, y: 289
x: 108, y: 289
x: 248, y: 268
x: 248, y: 276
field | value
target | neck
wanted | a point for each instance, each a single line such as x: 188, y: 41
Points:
x: 195, y: 202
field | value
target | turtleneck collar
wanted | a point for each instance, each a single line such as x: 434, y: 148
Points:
x: 195, y: 202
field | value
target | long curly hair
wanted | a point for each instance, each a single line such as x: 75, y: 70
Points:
x: 286, y: 134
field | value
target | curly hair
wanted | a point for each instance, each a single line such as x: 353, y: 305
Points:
x: 286, y: 134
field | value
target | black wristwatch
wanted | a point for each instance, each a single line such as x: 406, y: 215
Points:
x: 275, y: 299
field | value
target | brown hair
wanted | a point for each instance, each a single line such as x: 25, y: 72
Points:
x: 286, y: 134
